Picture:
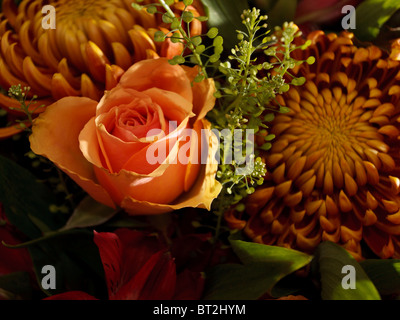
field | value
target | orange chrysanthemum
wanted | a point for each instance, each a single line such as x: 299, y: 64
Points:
x: 91, y: 46
x: 334, y: 167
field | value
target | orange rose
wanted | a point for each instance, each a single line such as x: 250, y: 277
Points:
x: 108, y: 150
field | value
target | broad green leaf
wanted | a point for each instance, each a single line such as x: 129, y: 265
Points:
x: 289, y: 259
x: 127, y: 222
x: 16, y: 285
x: 76, y: 260
x: 329, y: 261
x: 225, y: 15
x: 24, y: 197
x: 371, y: 16
x: 238, y: 282
x: 263, y: 266
x: 385, y: 274
x: 89, y: 213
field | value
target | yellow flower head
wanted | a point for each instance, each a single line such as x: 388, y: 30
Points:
x: 93, y: 43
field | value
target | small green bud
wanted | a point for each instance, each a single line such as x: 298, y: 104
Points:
x: 212, y: 33
x: 218, y: 41
x: 284, y: 109
x: 310, y: 60
x: 196, y: 40
x: 187, y: 16
x: 200, y: 49
x: 269, y: 117
x: 269, y: 137
x: 179, y: 59
x: 214, y: 58
x: 285, y: 88
x: 151, y: 9
x: 159, y: 36
x: 175, y: 23
x: 187, y: 2
x: 298, y: 81
x: 175, y: 39
x: 166, y: 18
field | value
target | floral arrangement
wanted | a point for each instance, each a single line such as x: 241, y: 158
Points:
x: 199, y: 150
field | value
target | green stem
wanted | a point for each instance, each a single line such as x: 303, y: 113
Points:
x: 189, y: 44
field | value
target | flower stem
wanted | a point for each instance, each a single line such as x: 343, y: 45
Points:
x: 187, y: 39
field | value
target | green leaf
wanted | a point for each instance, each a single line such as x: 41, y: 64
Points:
x: 372, y: 15
x: 226, y: 282
x: 330, y: 259
x: 23, y: 198
x: 263, y: 266
x: 76, y: 260
x: 385, y: 274
x: 89, y: 213
x: 287, y: 259
x: 16, y: 286
x: 226, y: 17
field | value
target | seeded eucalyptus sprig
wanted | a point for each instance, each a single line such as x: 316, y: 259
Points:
x: 200, y: 54
x: 256, y: 72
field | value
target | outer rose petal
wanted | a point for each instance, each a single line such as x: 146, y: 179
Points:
x: 201, y: 195
x: 55, y: 136
x: 203, y: 93
x: 157, y: 73
x: 142, y: 187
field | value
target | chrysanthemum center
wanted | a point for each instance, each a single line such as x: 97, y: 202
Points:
x: 333, y: 135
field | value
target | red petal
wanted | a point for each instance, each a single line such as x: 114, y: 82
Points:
x: 111, y: 256
x: 72, y: 295
x: 189, y: 286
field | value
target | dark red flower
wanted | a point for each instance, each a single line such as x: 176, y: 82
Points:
x: 138, y: 266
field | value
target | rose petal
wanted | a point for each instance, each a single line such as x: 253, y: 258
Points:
x: 55, y: 135
x: 142, y: 187
x: 157, y: 73
x: 197, y: 146
x: 201, y: 195
x: 120, y: 96
x: 140, y: 162
x: 203, y: 93
x: 175, y: 107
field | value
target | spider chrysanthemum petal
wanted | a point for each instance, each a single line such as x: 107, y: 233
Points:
x: 93, y: 43
x: 334, y: 167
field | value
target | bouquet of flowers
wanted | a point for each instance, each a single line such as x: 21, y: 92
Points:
x: 199, y: 150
